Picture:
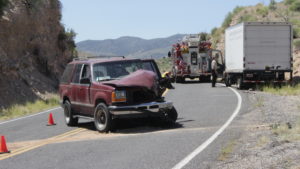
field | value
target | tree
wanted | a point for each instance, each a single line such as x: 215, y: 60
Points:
x: 203, y: 36
x: 295, y: 6
x: 272, y: 5
x: 3, y: 4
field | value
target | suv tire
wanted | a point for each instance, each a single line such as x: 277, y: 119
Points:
x: 102, y: 118
x: 68, y: 113
x: 170, y: 115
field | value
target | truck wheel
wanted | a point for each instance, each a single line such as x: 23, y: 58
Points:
x: 227, y: 81
x: 178, y: 79
x: 240, y: 83
x: 102, y: 118
x: 69, y: 119
x: 200, y: 78
x: 208, y: 78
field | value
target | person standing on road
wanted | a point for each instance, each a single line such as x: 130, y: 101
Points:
x: 214, y: 71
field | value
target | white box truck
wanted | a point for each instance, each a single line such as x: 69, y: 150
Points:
x: 258, y: 52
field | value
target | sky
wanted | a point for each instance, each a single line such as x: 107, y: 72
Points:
x: 148, y: 19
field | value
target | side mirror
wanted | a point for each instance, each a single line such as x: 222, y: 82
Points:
x: 85, y: 81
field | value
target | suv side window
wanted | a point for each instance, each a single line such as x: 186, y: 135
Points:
x: 67, y: 75
x: 76, y: 76
x: 86, y: 72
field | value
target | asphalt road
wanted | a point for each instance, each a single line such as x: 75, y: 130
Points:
x: 138, y: 143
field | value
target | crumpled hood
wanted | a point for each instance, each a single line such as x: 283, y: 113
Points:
x: 140, y: 78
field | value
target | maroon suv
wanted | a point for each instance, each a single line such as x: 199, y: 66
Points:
x: 106, y: 89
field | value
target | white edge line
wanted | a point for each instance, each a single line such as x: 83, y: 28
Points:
x: 199, y: 149
x: 20, y: 118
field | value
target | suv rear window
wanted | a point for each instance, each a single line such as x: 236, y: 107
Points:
x: 67, y: 75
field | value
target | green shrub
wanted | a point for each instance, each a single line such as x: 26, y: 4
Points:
x: 295, y: 6
x: 238, y: 9
x: 272, y: 5
x: 213, y: 31
x: 296, y: 32
x: 204, y: 36
x: 295, y: 22
x: 3, y: 4
x: 297, y: 44
x: 66, y: 39
x: 289, y: 2
x: 216, y: 36
x: 263, y: 11
x: 227, y: 21
x: 247, y: 18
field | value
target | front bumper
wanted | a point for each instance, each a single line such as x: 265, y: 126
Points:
x: 152, y: 107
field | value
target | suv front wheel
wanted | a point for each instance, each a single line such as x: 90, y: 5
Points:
x: 69, y: 119
x: 102, y: 118
x: 170, y: 116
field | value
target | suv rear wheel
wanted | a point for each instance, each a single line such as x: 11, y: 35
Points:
x: 102, y: 118
x: 69, y: 119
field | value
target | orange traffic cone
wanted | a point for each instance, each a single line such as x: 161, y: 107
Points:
x: 3, y: 148
x: 50, y: 120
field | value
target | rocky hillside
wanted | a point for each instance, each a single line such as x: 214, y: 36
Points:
x: 129, y: 46
x: 34, y: 49
x: 285, y: 11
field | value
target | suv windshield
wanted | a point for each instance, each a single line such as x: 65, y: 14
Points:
x: 115, y: 70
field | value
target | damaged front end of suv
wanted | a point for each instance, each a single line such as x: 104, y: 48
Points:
x: 139, y: 93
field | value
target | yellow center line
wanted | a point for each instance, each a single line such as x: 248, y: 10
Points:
x: 165, y: 92
x: 43, y: 142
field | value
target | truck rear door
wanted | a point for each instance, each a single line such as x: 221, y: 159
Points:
x: 268, y: 46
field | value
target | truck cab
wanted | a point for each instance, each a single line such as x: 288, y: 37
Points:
x: 192, y: 59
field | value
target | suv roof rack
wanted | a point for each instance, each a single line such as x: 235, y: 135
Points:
x: 97, y: 57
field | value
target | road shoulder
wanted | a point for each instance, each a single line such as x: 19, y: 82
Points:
x: 271, y: 134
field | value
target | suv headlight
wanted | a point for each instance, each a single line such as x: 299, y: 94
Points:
x: 119, y: 96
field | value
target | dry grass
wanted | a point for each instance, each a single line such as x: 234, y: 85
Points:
x: 285, y: 133
x: 259, y: 102
x: 164, y: 64
x: 227, y: 150
x: 283, y: 91
x: 29, y: 108
x: 262, y: 141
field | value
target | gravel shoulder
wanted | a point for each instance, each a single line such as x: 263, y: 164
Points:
x: 271, y: 137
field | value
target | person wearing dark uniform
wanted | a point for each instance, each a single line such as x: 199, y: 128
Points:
x: 214, y: 72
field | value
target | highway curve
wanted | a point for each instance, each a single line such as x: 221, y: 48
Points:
x: 139, y: 143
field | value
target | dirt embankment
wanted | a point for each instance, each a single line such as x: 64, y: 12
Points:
x: 273, y: 140
x: 33, y: 50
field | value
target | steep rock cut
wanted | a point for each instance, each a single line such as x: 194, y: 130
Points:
x: 33, y: 50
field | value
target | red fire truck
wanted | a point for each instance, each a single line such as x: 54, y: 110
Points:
x: 192, y: 59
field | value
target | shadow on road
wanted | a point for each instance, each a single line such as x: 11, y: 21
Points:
x: 137, y: 125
